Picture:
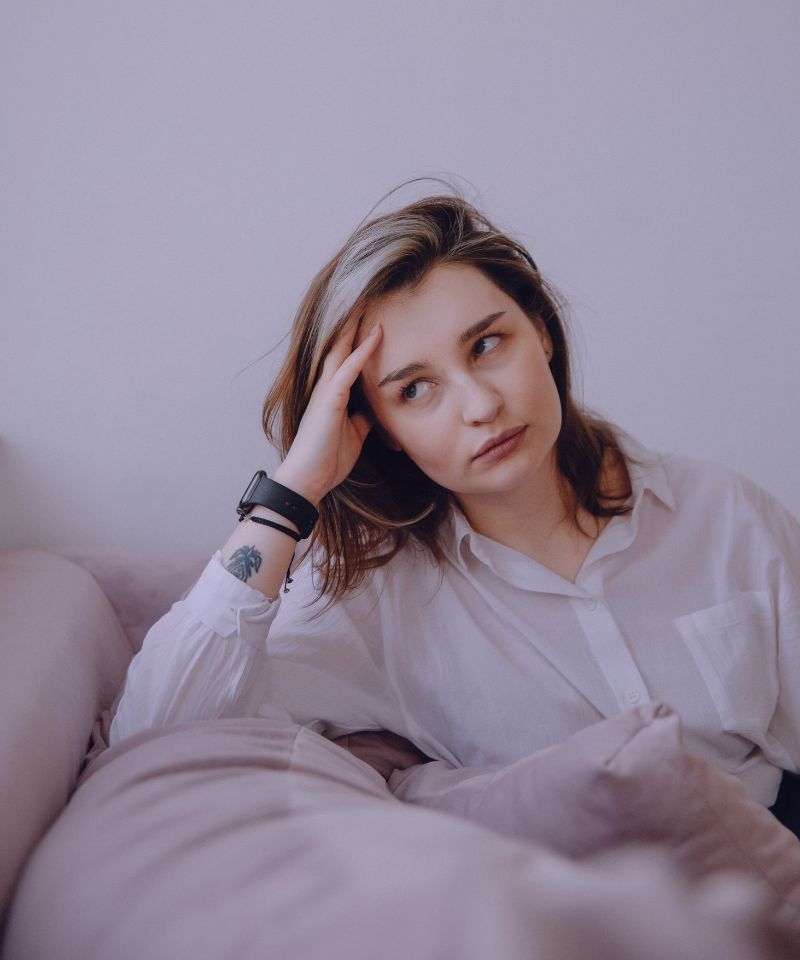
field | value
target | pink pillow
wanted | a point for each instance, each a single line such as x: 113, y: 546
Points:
x: 140, y: 585
x: 256, y: 838
x: 624, y: 780
x: 62, y: 659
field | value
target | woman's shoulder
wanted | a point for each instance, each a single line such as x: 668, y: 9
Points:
x: 705, y: 482
x: 682, y: 470
x: 703, y: 475
x: 691, y: 471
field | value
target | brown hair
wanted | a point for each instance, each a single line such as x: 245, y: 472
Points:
x: 387, y: 502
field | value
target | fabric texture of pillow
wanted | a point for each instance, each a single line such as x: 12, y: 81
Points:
x: 255, y: 838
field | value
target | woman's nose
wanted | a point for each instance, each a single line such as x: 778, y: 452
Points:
x: 481, y: 402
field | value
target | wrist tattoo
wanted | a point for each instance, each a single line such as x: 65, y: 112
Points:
x: 244, y: 562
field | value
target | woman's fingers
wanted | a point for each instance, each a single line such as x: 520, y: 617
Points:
x: 353, y: 364
x: 342, y: 352
x: 342, y: 346
x: 328, y: 441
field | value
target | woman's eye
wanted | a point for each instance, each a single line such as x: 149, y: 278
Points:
x: 412, y: 390
x: 485, y: 340
x: 419, y: 388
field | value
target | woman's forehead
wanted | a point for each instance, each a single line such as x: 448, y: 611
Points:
x: 450, y: 294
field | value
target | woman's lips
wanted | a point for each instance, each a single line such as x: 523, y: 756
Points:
x: 503, y: 448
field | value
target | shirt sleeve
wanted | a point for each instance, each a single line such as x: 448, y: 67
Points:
x: 203, y: 660
x: 228, y: 651
x: 327, y: 667
x: 783, y: 529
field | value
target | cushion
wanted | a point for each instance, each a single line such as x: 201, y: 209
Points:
x: 623, y: 780
x: 253, y: 838
x: 63, y: 656
x: 140, y: 586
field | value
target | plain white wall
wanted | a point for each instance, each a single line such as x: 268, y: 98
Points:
x: 172, y: 174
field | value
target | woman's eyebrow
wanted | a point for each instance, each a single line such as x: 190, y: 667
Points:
x: 418, y: 365
x: 479, y: 327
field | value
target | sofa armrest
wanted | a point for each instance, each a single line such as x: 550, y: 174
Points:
x: 63, y: 658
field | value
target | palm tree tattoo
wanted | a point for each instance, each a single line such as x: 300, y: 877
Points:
x: 244, y: 562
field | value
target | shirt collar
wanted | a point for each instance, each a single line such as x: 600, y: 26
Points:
x: 648, y: 473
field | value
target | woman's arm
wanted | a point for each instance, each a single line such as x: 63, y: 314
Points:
x: 782, y: 742
x: 206, y: 658
x: 258, y: 554
x: 323, y: 453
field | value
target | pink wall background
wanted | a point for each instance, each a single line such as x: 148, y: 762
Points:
x: 173, y: 174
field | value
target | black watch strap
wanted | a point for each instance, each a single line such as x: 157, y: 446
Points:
x: 261, y: 491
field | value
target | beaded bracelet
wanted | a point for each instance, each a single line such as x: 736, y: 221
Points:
x: 271, y: 523
x: 292, y: 533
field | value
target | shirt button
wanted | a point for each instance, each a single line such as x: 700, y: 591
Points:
x: 592, y: 604
x: 633, y: 696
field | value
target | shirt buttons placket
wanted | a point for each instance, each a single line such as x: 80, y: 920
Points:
x: 610, y: 650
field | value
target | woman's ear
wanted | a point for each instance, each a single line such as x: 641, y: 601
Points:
x: 547, y: 344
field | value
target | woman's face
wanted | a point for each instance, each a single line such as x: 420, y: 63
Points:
x: 459, y: 364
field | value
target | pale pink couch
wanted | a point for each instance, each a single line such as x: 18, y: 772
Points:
x: 256, y: 838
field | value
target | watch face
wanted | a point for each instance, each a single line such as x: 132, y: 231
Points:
x: 251, y: 488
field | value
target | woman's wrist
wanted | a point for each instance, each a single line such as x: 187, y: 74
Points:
x: 267, y: 514
x: 260, y: 555
x: 284, y: 475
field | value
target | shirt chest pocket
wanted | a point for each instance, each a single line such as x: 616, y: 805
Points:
x: 735, y: 648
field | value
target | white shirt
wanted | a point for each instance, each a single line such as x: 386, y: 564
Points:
x: 693, y: 599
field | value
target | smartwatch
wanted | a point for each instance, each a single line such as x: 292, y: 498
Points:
x: 263, y: 492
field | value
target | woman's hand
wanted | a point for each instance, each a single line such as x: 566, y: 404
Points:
x: 329, y: 441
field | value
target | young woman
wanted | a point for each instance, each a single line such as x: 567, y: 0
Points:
x: 492, y: 568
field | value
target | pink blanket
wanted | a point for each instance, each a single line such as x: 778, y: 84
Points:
x: 257, y: 838
x: 242, y: 839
